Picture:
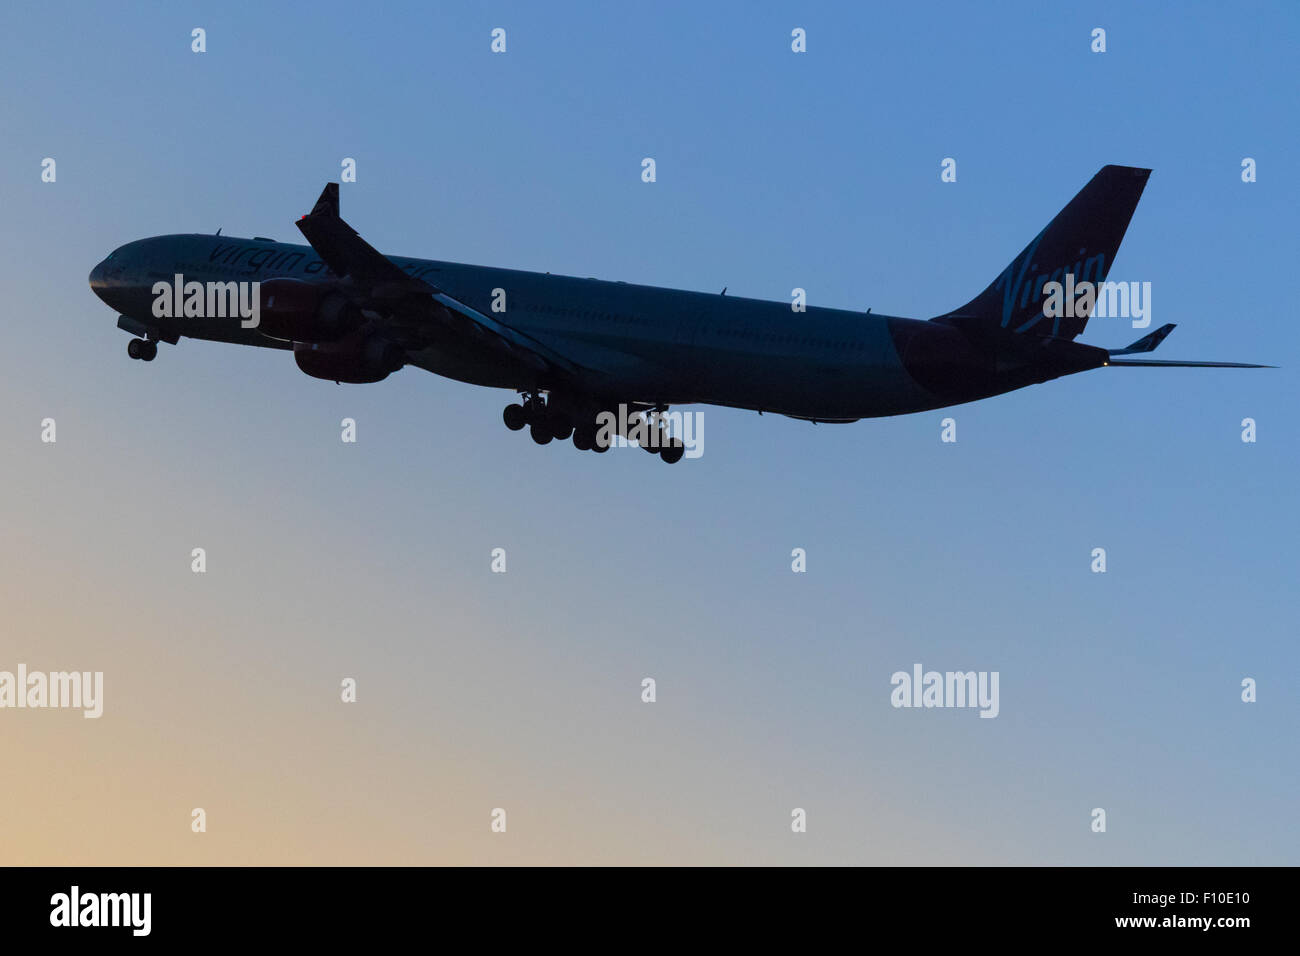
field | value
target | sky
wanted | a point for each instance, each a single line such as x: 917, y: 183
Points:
x: 523, y: 691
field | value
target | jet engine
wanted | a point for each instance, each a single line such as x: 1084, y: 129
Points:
x: 298, y: 311
x: 356, y: 359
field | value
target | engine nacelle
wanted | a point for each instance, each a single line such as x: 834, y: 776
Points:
x: 298, y: 311
x: 356, y: 359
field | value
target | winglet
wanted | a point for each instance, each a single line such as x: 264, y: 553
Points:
x: 1147, y: 343
x: 345, y: 252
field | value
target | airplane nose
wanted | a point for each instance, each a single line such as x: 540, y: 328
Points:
x: 100, y: 284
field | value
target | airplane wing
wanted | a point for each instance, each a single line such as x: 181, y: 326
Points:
x: 416, y: 313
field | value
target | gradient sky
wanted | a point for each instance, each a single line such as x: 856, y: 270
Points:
x: 522, y: 691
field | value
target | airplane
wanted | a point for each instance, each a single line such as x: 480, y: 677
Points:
x: 575, y: 348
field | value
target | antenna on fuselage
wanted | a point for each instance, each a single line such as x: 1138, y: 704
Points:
x: 724, y: 290
x: 218, y: 230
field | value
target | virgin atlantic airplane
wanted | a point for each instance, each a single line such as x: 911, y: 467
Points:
x: 576, y: 348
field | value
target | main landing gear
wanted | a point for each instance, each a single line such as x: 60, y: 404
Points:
x: 547, y: 421
x: 542, y: 423
x: 146, y: 350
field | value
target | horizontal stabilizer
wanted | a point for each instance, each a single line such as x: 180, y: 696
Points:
x: 1147, y: 343
x: 1186, y: 364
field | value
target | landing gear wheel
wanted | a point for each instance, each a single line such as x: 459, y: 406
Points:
x: 584, y: 438
x: 133, y: 348
x: 515, y: 417
x: 561, y: 429
x: 673, y: 451
x: 148, y: 351
x: 540, y: 432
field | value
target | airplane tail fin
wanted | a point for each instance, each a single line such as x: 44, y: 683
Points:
x: 1081, y: 240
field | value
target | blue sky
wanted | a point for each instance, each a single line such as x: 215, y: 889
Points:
x: 775, y: 170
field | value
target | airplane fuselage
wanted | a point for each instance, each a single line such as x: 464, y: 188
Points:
x: 632, y: 342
